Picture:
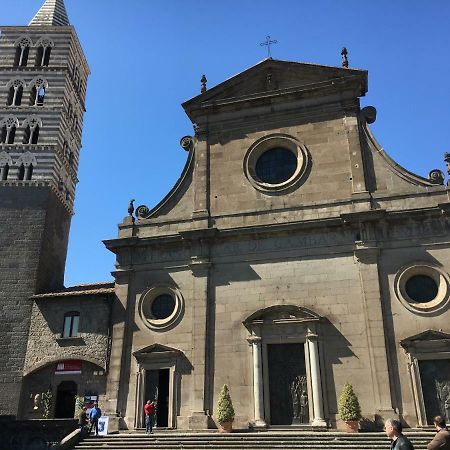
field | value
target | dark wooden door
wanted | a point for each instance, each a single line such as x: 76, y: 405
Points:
x: 435, y: 380
x: 287, y: 384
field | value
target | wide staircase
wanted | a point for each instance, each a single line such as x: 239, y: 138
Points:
x: 267, y: 440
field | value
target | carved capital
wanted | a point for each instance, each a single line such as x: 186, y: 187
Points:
x: 254, y: 340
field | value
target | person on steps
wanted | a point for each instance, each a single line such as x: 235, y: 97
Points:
x: 393, y: 429
x: 442, y: 439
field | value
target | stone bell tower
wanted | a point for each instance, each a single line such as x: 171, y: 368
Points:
x: 43, y: 76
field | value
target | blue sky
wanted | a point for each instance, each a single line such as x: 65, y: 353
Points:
x: 147, y: 57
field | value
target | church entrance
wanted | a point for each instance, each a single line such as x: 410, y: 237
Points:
x: 157, y: 388
x: 65, y: 400
x: 287, y: 384
x: 435, y: 381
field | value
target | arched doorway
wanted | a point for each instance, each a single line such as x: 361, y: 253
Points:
x: 65, y: 400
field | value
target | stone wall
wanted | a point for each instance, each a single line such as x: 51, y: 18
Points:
x: 23, y: 225
x: 45, y: 344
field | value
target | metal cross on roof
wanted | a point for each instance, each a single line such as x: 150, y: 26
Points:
x: 268, y: 43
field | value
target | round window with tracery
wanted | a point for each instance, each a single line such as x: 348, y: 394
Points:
x: 276, y: 163
x: 422, y: 288
x: 161, y: 307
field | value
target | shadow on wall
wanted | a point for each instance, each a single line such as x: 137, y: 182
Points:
x: 389, y: 266
x: 334, y: 348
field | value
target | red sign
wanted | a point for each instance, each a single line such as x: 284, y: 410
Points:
x: 70, y: 367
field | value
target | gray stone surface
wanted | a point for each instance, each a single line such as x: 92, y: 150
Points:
x: 35, y: 213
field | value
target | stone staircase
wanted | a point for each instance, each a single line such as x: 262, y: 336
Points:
x: 266, y: 440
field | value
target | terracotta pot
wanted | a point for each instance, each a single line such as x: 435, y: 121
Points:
x: 225, y: 427
x: 352, y: 426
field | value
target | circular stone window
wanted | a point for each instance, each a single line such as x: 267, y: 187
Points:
x: 422, y: 288
x: 161, y: 307
x: 275, y: 163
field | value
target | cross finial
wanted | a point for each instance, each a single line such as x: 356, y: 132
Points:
x: 203, y: 81
x: 344, y: 54
x: 268, y: 43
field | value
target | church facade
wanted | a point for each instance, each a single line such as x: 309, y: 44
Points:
x: 293, y: 255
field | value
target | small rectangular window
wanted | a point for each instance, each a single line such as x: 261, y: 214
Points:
x: 71, y: 325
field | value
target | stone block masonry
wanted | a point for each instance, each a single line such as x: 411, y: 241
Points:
x: 30, y: 260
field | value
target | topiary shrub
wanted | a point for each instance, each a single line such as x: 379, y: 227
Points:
x: 349, y: 408
x: 225, y: 410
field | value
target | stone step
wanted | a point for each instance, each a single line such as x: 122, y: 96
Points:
x: 295, y: 440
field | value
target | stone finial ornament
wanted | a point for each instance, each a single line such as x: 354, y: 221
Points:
x: 436, y: 176
x: 369, y: 113
x: 187, y: 142
x: 142, y: 212
x: 344, y: 54
x: 203, y: 81
x: 131, y: 207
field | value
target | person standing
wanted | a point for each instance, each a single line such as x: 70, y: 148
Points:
x: 94, y: 414
x: 82, y: 419
x: 442, y: 439
x: 149, y: 410
x: 393, y: 429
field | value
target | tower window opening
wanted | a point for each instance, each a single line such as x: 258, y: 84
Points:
x: 37, y: 96
x: 28, y: 172
x: 3, y: 135
x: 22, y: 53
x: 43, y: 56
x: 15, y: 93
x: 70, y: 158
x: 4, y: 170
x: 40, y: 96
x: 11, y: 134
x: 8, y: 130
x: 21, y: 172
x: 31, y: 134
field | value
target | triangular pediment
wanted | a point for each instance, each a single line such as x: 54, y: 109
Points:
x: 425, y: 336
x: 282, y: 313
x: 274, y: 76
x: 155, y: 349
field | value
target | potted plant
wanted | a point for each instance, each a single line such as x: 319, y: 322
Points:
x: 349, y: 408
x: 225, y: 411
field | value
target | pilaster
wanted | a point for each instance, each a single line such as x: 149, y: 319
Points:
x: 366, y: 256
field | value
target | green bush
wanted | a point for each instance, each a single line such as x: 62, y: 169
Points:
x: 225, y: 410
x: 349, y: 408
x: 47, y: 400
x: 79, y: 404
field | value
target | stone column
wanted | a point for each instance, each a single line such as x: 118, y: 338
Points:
x: 255, y: 342
x: 316, y: 382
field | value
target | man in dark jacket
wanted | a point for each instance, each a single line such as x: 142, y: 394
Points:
x: 442, y: 439
x: 393, y: 429
x: 82, y: 419
x: 94, y: 414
